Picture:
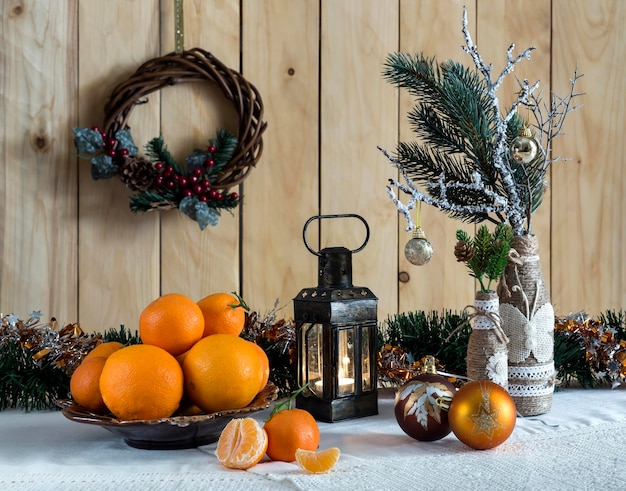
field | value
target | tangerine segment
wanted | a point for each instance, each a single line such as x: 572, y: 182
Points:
x: 242, y: 444
x: 317, y: 462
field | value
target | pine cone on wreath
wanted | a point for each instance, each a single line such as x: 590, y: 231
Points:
x: 137, y: 173
x: 463, y: 251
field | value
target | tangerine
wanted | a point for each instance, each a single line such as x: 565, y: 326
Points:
x: 289, y: 430
x: 104, y: 349
x: 242, y: 443
x: 141, y: 381
x: 265, y: 366
x: 224, y: 313
x: 85, y: 384
x: 318, y: 462
x: 222, y: 371
x: 173, y: 322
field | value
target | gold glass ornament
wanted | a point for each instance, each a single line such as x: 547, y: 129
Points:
x: 418, y: 250
x: 524, y: 147
x: 482, y: 414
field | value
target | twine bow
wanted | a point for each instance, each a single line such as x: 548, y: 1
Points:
x: 494, y: 317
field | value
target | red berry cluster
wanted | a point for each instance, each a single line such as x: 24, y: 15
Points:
x: 109, y: 143
x: 194, y: 183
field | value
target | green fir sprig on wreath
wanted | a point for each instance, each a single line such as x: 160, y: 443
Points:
x: 485, y: 255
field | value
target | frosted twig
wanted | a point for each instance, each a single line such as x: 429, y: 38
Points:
x: 499, y: 203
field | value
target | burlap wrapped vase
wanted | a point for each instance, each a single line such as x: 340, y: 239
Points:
x: 487, y: 346
x: 528, y: 320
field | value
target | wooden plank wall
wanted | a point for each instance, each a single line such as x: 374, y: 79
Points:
x: 70, y: 247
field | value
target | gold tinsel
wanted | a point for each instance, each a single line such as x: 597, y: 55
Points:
x: 48, y: 344
x: 604, y: 352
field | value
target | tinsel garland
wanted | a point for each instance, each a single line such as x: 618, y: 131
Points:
x: 37, y: 359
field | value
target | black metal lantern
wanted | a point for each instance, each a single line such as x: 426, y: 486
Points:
x: 336, y: 332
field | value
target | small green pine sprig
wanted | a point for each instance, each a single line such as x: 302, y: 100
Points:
x: 485, y: 255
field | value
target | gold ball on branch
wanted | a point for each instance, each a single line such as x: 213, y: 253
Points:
x: 524, y: 147
x: 418, y: 250
x: 482, y: 414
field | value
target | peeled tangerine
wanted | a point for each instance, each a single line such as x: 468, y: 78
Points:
x: 242, y: 443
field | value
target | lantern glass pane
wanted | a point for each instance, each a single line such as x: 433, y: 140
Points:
x: 314, y: 358
x: 366, y: 379
x: 345, y: 362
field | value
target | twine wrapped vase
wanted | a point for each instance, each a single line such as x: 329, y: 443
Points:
x: 487, y: 347
x: 528, y: 321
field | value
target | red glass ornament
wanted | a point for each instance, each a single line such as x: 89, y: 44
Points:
x: 482, y: 414
x: 419, y: 405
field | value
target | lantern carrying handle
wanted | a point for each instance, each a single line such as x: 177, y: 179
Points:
x: 347, y: 215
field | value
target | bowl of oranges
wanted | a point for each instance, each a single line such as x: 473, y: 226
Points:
x: 191, y: 374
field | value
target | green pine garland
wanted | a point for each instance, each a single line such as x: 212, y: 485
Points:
x: 33, y: 383
x: 421, y: 334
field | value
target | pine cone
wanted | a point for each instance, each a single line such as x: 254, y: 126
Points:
x: 463, y: 251
x: 137, y: 173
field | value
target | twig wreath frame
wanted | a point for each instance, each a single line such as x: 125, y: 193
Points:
x: 200, y: 188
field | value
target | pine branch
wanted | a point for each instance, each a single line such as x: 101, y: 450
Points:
x: 156, y: 150
x: 478, y: 210
x: 153, y: 200
x: 225, y: 145
x: 486, y: 254
x: 462, y: 157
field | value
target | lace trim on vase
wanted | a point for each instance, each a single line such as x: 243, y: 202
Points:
x: 532, y: 372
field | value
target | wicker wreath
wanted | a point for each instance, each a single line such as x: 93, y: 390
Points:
x: 200, y: 188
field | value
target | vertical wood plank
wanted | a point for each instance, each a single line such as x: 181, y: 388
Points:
x: 359, y: 111
x: 195, y: 262
x: 434, y: 28
x: 280, y: 56
x: 118, y: 251
x: 38, y: 232
x: 524, y: 23
x: 588, y: 266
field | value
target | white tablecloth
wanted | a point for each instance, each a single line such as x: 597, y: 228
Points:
x: 579, y: 445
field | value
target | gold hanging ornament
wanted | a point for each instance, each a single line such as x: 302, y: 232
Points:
x: 524, y: 147
x: 418, y: 250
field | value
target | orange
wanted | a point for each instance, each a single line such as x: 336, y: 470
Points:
x: 318, y: 462
x: 224, y: 313
x: 222, y: 371
x: 289, y: 430
x: 85, y: 384
x: 265, y: 366
x: 104, y: 349
x: 242, y: 443
x: 141, y: 381
x: 173, y: 322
